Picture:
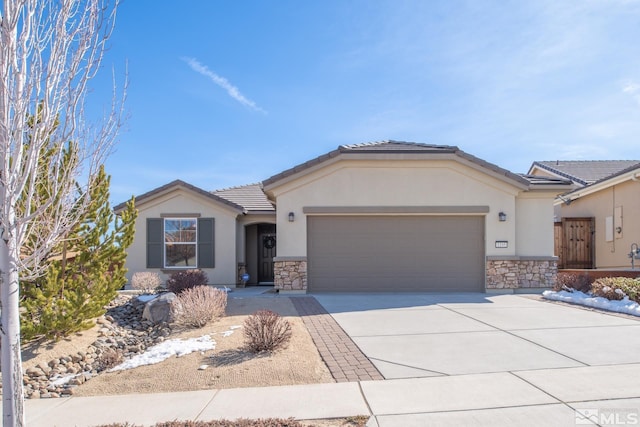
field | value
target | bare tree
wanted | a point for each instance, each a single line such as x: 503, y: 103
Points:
x: 49, y: 51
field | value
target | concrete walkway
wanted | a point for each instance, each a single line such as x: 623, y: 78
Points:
x: 546, y: 397
x: 449, y: 360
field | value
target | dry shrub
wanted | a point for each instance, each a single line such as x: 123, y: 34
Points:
x: 265, y: 330
x: 241, y: 422
x: 616, y: 288
x: 109, y: 358
x: 579, y: 282
x: 198, y: 306
x: 145, y: 281
x: 180, y: 281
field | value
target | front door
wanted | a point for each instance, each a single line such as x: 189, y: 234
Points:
x: 266, y: 252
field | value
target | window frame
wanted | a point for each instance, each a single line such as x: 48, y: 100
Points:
x: 165, y: 243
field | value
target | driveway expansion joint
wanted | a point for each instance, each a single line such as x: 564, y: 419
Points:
x: 338, y: 351
x: 509, y: 332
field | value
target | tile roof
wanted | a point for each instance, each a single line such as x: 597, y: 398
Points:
x: 585, y: 172
x: 545, y: 180
x: 251, y: 197
x: 397, y: 146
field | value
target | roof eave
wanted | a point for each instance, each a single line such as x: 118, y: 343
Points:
x: 445, y: 152
x: 630, y: 174
x: 557, y: 173
x: 177, y: 184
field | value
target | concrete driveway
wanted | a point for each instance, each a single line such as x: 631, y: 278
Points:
x: 422, y: 335
x: 489, y: 359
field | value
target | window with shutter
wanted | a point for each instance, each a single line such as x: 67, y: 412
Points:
x: 176, y: 243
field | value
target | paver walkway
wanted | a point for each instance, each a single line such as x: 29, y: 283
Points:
x: 343, y: 357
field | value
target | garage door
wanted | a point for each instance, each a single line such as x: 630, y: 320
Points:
x: 395, y: 253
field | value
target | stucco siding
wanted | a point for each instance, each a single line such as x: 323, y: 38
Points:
x: 179, y: 203
x: 397, y: 183
x: 602, y: 204
x: 534, y: 225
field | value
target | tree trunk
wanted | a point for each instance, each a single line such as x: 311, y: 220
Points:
x: 12, y: 386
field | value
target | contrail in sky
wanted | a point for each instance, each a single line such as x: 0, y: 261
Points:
x: 233, y: 91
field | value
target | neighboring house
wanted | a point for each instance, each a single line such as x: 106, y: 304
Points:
x: 597, y: 222
x: 384, y: 216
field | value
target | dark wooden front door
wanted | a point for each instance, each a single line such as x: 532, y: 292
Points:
x: 266, y: 252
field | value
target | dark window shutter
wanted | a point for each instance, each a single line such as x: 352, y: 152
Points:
x: 206, y: 242
x: 155, y: 242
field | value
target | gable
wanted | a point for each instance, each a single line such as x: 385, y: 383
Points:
x: 393, y: 160
x: 183, y: 202
x: 159, y: 194
x: 395, y: 183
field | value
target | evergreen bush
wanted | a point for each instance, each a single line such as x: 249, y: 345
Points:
x: 84, y: 272
x: 616, y: 288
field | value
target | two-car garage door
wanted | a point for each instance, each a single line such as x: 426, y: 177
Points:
x: 395, y: 253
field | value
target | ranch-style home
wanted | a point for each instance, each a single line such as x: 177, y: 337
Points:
x: 383, y: 216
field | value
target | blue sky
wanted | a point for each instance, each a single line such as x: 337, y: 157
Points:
x: 225, y: 93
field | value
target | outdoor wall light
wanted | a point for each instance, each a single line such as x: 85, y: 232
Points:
x: 502, y: 217
x: 291, y: 216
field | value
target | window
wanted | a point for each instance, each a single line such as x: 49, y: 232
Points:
x: 174, y: 242
x: 180, y: 243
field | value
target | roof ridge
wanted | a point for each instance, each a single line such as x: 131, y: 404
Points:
x: 396, y: 142
x: 235, y: 187
x: 586, y: 161
x: 366, y: 144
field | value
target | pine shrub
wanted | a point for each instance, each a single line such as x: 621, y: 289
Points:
x: 182, y: 280
x: 84, y: 274
x: 198, y: 306
x: 146, y: 281
x: 265, y: 330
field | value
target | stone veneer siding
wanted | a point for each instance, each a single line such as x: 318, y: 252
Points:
x: 290, y: 274
x: 520, y: 272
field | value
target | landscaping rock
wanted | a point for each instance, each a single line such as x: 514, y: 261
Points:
x: 121, y: 329
x: 158, y: 310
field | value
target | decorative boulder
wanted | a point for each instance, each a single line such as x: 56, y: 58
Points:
x: 158, y: 310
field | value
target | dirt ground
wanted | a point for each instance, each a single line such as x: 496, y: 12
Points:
x: 229, y: 364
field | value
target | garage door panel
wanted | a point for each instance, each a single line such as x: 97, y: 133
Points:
x: 395, y: 253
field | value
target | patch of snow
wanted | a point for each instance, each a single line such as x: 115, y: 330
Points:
x: 165, y: 350
x: 227, y: 333
x: 146, y: 298
x: 63, y: 380
x: 622, y: 306
x: 235, y: 327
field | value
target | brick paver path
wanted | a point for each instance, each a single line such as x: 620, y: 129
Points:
x: 342, y: 356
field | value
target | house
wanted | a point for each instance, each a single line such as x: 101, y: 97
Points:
x: 182, y: 226
x: 382, y: 216
x: 597, y: 222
